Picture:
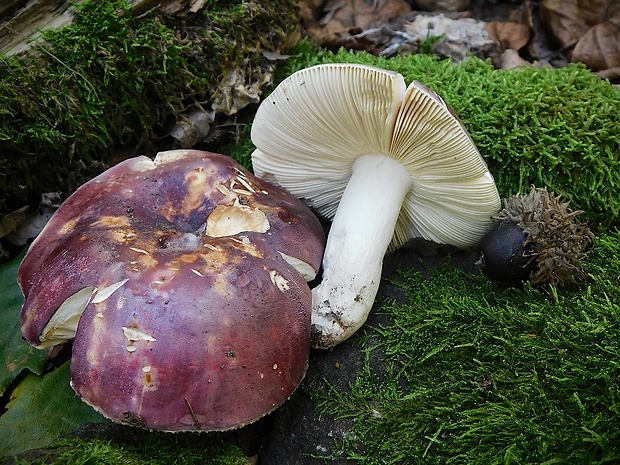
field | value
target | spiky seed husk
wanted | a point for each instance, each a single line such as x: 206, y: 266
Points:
x: 559, y: 241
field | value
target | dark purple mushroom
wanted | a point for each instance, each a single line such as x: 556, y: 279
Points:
x: 183, y: 282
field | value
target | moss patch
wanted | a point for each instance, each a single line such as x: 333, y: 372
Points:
x: 137, y: 447
x: 554, y: 128
x: 481, y: 373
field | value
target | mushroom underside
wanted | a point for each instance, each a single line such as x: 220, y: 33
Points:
x: 345, y: 137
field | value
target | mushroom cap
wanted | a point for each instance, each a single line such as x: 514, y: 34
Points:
x: 309, y: 131
x: 192, y: 314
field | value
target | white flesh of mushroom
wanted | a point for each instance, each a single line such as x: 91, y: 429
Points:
x: 64, y: 322
x: 229, y: 220
x: 304, y: 268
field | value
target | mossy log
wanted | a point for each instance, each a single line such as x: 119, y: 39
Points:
x: 23, y: 20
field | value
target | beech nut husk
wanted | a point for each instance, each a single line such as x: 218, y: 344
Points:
x: 537, y: 238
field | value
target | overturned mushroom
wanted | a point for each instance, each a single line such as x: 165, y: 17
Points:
x: 183, y: 282
x: 387, y: 162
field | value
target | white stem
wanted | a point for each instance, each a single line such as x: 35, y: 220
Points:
x: 357, y: 242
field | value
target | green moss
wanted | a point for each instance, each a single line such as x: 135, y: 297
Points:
x: 480, y: 373
x: 137, y: 447
x: 113, y: 81
x: 254, y: 26
x: 240, y: 146
x: 426, y: 45
x: 554, y: 128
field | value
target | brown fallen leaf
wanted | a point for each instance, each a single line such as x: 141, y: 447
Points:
x: 338, y: 17
x: 591, y: 26
x: 510, y: 35
x: 511, y: 59
x: 309, y: 10
x: 613, y: 74
x: 569, y: 20
x: 599, y: 48
x: 443, y: 5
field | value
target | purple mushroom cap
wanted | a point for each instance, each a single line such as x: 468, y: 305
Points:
x: 183, y: 282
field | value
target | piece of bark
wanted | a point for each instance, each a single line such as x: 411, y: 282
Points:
x: 21, y: 21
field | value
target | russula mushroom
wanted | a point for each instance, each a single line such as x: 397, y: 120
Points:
x: 537, y: 238
x: 183, y: 282
x: 385, y: 161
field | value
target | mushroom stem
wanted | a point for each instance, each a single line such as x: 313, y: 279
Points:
x: 360, y: 234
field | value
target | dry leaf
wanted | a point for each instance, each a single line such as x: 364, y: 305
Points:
x: 599, y: 48
x: 341, y: 16
x: 309, y: 11
x: 569, y: 20
x: 239, y: 88
x: 510, y: 35
x: 11, y: 221
x: 443, y: 5
x: 511, y: 59
x: 613, y: 74
x: 192, y: 128
x: 197, y: 5
x: 592, y: 26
